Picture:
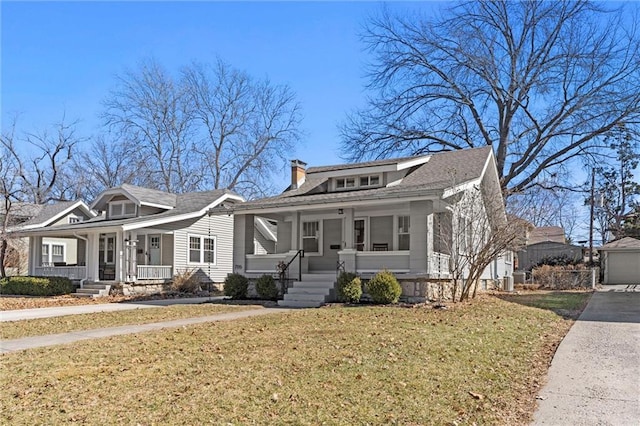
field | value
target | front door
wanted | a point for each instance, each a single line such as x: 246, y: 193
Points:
x: 154, y: 250
x: 359, y: 232
x: 107, y: 257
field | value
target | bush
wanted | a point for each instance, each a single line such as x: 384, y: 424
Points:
x: 266, y: 288
x: 235, y: 286
x: 36, y: 286
x: 384, y: 288
x: 186, y: 282
x: 349, y: 288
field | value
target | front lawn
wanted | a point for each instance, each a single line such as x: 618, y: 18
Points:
x: 68, y: 323
x: 480, y: 362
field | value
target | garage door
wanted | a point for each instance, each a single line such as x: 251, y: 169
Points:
x: 624, y: 268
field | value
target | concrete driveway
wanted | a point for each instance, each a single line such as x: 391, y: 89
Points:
x: 594, y: 377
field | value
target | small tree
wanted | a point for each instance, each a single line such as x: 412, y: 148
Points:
x: 474, y: 232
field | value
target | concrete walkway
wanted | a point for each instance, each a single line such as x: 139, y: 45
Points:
x: 58, y: 311
x: 594, y: 377
x: 7, y: 346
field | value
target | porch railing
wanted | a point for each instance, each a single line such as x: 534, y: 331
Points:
x: 71, y: 272
x: 154, y: 272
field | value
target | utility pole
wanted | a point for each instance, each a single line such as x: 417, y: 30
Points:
x: 593, y: 188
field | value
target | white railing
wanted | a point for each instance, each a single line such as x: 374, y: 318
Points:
x: 71, y: 272
x: 439, y: 264
x: 154, y: 272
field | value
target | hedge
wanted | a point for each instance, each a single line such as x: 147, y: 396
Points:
x: 36, y: 286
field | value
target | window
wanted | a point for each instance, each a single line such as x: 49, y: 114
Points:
x: 122, y: 208
x: 343, y: 183
x: 75, y: 219
x: 52, y: 253
x: 45, y: 254
x: 57, y: 253
x: 404, y: 236
x: 202, y: 249
x: 310, y: 232
x: 370, y: 180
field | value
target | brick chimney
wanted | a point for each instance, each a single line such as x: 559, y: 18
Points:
x: 298, y: 173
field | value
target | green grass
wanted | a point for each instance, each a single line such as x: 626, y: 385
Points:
x: 480, y: 362
x: 68, y: 323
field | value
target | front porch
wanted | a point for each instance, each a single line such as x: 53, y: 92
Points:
x: 407, y: 239
x: 108, y: 257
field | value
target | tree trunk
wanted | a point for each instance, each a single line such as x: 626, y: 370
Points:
x: 3, y: 253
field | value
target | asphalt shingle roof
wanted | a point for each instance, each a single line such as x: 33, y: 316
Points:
x: 152, y: 196
x: 443, y: 170
x: 47, y: 212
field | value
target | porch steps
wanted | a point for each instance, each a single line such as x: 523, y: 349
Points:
x: 93, y: 289
x: 312, y: 292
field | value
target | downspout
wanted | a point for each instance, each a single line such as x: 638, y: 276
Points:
x: 86, y: 256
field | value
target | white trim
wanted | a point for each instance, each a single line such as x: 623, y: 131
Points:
x: 160, y: 206
x: 202, y: 237
x: 367, y: 234
x: 453, y: 190
x: 50, y: 245
x: 413, y: 162
x: 264, y: 229
x: 72, y: 207
x: 318, y: 237
x: 123, y: 209
x: 176, y: 218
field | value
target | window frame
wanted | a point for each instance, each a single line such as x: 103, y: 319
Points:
x: 49, y: 254
x: 122, y: 207
x: 201, y: 249
x: 400, y: 218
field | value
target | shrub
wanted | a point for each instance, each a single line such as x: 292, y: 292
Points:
x: 235, y: 286
x: 266, y: 288
x: 186, y: 282
x: 384, y: 288
x: 36, y: 286
x: 349, y: 287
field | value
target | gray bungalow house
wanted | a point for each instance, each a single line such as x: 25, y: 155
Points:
x: 364, y: 217
x: 140, y: 236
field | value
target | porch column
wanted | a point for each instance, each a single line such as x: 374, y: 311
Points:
x: 92, y: 261
x: 295, y: 231
x: 420, y: 246
x: 120, y: 256
x: 243, y: 229
x: 131, y: 256
x: 33, y: 253
x: 347, y: 231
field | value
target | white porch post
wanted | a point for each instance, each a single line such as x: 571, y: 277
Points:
x: 347, y: 232
x: 93, y: 263
x: 120, y: 256
x: 33, y: 253
x: 243, y: 226
x: 420, y: 246
x: 295, y: 231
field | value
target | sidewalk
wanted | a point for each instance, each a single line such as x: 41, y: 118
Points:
x: 594, y: 377
x: 7, y: 346
x: 57, y: 311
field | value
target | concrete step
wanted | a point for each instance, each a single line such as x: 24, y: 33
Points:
x: 299, y: 304
x: 319, y: 276
x: 95, y: 286
x: 302, y: 297
x: 309, y: 290
x: 313, y: 284
x: 82, y: 295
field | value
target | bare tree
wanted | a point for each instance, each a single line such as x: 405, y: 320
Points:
x: 538, y: 80
x: 107, y: 164
x: 211, y: 127
x: 41, y: 161
x: 474, y: 232
x: 246, y: 127
x: 149, y: 111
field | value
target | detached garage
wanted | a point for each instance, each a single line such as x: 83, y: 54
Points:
x: 621, y: 261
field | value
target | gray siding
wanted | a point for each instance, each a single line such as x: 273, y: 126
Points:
x: 284, y: 236
x: 220, y: 227
x: 167, y: 249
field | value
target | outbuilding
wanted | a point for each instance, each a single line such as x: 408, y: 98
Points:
x: 621, y: 261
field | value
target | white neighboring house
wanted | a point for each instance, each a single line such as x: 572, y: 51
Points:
x: 364, y: 217
x: 142, y: 236
x: 54, y: 250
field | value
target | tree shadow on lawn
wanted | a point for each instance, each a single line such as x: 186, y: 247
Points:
x: 567, y: 304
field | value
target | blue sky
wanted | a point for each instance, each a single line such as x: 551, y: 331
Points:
x: 61, y: 57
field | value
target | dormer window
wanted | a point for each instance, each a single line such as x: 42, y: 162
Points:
x: 75, y: 219
x: 122, y: 209
x: 354, y: 182
x: 373, y: 180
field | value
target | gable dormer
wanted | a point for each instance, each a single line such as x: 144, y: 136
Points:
x: 129, y: 201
